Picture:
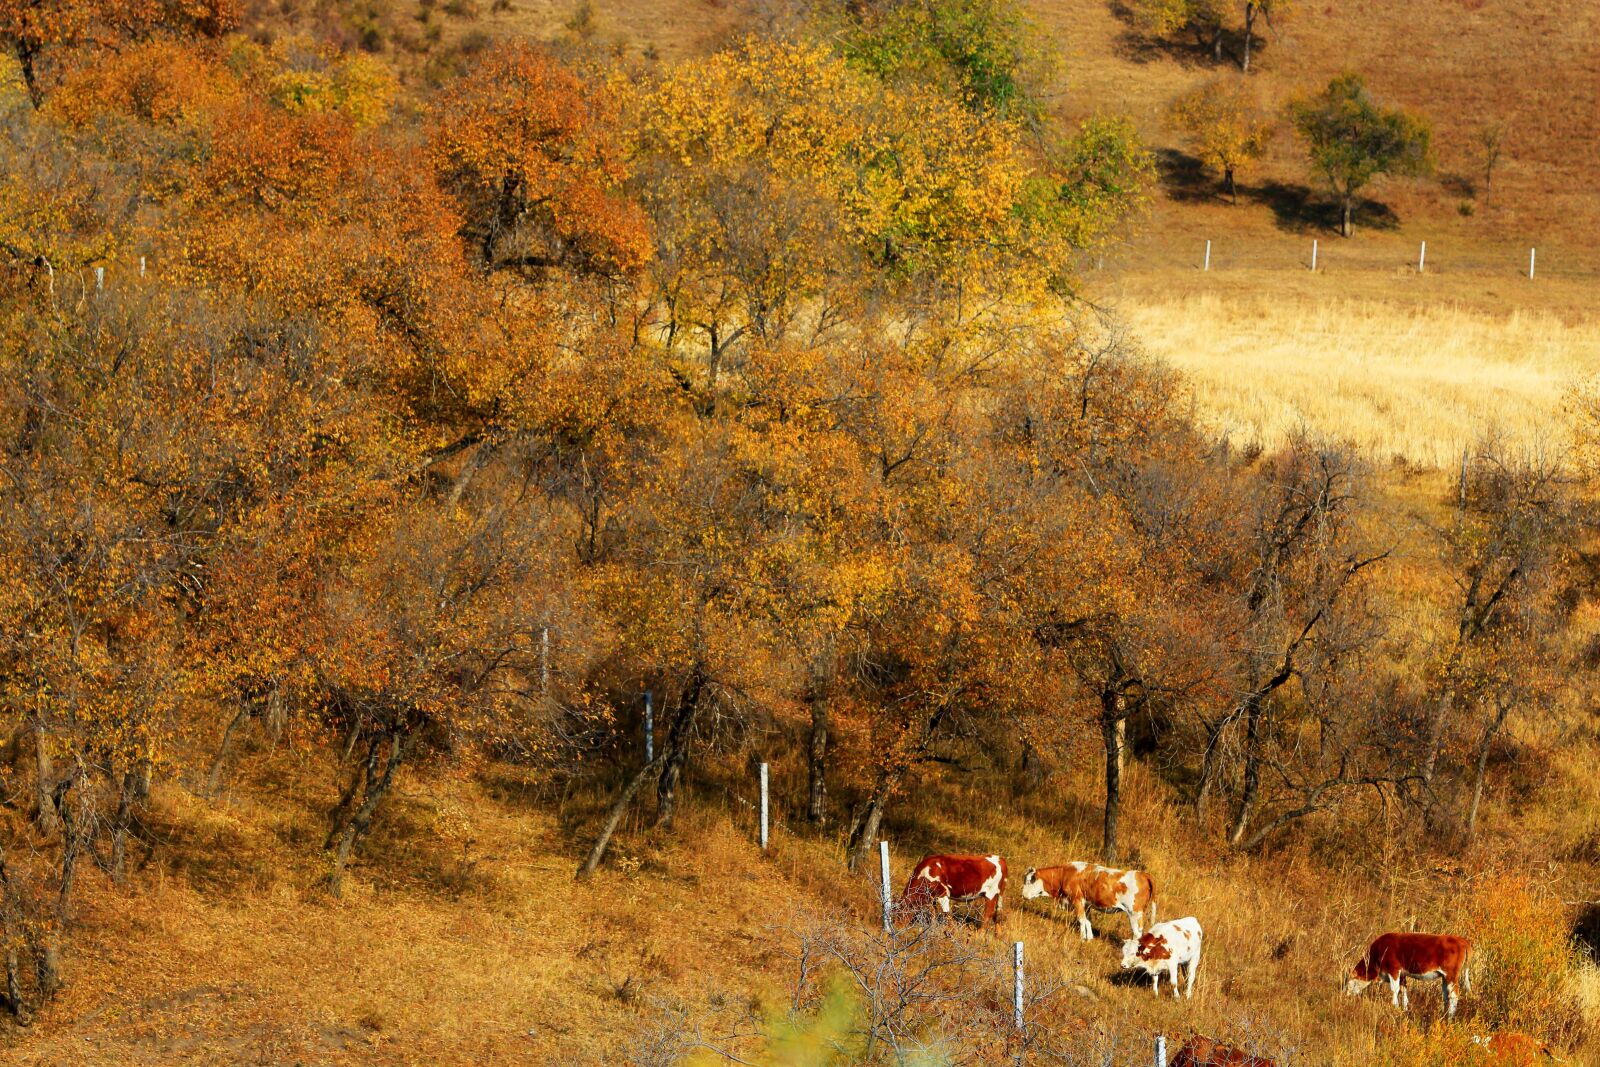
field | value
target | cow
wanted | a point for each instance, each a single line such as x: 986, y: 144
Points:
x: 1395, y: 957
x: 1204, y: 1052
x: 1165, y: 947
x: 1088, y: 885
x: 1514, y: 1049
x: 937, y: 880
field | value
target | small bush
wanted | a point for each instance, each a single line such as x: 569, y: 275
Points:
x: 1523, y: 960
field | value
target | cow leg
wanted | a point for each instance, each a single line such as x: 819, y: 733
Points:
x: 1155, y: 981
x: 1175, y: 993
x: 1194, y: 965
x: 1405, y: 994
x: 991, y: 913
x: 1085, y: 927
x: 1449, y: 997
x: 1133, y: 920
x: 1394, y: 990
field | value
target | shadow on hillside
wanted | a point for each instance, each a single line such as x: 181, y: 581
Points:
x: 1184, y: 177
x: 1135, y: 46
x: 1297, y: 208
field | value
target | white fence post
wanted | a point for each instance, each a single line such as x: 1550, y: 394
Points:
x: 1313, y: 255
x: 883, y: 867
x: 649, y: 728
x: 1208, y: 257
x: 544, y: 661
x: 100, y: 279
x: 141, y: 266
x: 763, y: 807
x: 1422, y: 257
x: 1016, y: 992
x: 1161, y: 1050
x: 1532, y: 252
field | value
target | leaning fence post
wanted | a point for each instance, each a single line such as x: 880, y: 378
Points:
x: 544, y: 661
x: 649, y: 729
x: 763, y: 807
x: 883, y: 888
x: 1016, y: 992
x: 1313, y: 255
x: 1161, y: 1050
x: 1532, y: 252
x: 1422, y: 257
x: 1208, y: 257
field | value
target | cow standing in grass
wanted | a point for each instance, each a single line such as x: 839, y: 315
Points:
x: 1396, y: 957
x: 938, y: 880
x: 1166, y: 947
x: 1088, y: 885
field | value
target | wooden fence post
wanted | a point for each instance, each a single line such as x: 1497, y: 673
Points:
x: 1422, y: 257
x: 1208, y: 257
x: 649, y: 729
x: 1313, y: 255
x: 1532, y: 252
x: 1016, y: 992
x: 883, y: 867
x: 763, y: 807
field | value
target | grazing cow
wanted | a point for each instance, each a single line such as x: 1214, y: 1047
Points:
x: 1087, y: 885
x: 1204, y: 1052
x: 1396, y: 957
x: 937, y: 880
x: 1165, y: 947
x: 1514, y: 1049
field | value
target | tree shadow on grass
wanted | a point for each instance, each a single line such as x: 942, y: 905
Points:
x: 1184, y: 177
x: 1138, y: 47
x: 1298, y: 209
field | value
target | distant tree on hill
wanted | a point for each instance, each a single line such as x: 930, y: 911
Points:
x: 1202, y: 18
x: 1224, y: 126
x: 1351, y: 139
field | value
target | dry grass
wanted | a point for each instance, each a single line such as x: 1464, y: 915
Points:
x: 1415, y: 384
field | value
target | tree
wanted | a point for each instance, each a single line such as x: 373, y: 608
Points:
x: 1264, y: 11
x: 1352, y: 139
x: 532, y: 152
x: 1225, y: 127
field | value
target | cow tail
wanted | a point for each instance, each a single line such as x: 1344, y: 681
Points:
x: 1152, y: 908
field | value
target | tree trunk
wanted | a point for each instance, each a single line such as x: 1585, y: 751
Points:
x: 865, y: 830
x: 1345, y: 228
x: 1216, y: 45
x: 676, y: 751
x: 1113, y: 731
x: 817, y: 758
x: 44, y: 781
x: 1441, y: 714
x: 26, y: 57
x: 135, y: 788
x: 214, y: 778
x: 1252, y: 771
x: 1483, y: 765
x: 1227, y: 180
x: 1249, y: 32
x: 618, y: 810
x: 356, y: 828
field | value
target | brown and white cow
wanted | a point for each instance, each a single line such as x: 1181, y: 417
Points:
x: 937, y: 880
x: 1395, y: 957
x: 1088, y: 885
x: 1164, y: 948
x: 1204, y: 1052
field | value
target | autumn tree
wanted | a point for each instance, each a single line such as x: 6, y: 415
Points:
x: 1352, y: 139
x: 531, y: 151
x: 1224, y: 126
x: 41, y: 33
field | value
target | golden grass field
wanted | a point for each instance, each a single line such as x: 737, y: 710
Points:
x: 1410, y: 384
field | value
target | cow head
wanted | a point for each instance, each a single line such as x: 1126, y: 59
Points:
x: 1130, y: 954
x: 1361, y: 976
x: 1033, y: 886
